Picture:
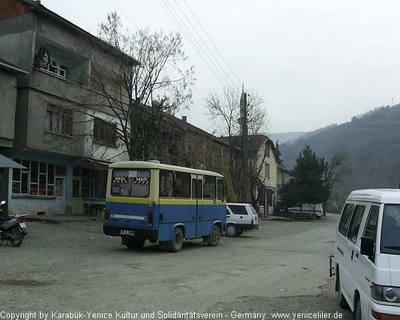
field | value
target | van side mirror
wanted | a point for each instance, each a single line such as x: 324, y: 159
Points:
x: 367, y: 246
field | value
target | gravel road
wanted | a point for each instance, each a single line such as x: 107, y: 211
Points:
x: 72, y: 267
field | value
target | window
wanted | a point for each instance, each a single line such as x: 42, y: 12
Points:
x: 105, y: 132
x: 267, y: 174
x: 372, y: 223
x: 37, y: 179
x: 130, y: 183
x: 390, y: 229
x: 182, y: 185
x: 197, y: 189
x: 166, y: 184
x: 209, y: 191
x: 238, y: 209
x: 94, y: 184
x: 59, y: 120
x: 75, y: 188
x: 220, y: 190
x: 355, y: 223
x: 267, y: 150
x: 345, y: 219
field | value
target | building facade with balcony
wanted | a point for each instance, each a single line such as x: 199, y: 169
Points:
x: 63, y: 136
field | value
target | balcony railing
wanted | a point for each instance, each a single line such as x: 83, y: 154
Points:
x: 57, y: 71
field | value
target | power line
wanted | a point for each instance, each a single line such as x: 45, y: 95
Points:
x: 170, y: 11
x: 206, y: 45
x: 212, y: 42
x: 125, y: 15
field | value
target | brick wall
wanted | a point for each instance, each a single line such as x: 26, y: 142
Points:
x: 12, y: 8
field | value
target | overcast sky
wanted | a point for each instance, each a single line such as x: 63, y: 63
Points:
x: 314, y: 62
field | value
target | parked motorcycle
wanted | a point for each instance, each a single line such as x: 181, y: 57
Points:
x: 12, y: 228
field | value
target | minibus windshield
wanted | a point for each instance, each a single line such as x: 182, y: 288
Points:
x: 130, y: 183
x: 391, y: 229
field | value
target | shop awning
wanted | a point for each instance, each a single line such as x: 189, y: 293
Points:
x: 8, y: 163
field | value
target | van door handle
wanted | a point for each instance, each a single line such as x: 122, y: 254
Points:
x: 352, y: 254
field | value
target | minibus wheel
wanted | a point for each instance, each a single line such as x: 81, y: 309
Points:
x: 213, y: 240
x: 177, y: 241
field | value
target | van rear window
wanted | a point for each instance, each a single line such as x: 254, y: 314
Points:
x: 130, y: 183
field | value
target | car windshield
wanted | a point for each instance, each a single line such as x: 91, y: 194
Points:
x: 390, y: 240
x: 130, y: 183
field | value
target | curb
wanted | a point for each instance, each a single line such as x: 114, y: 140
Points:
x: 60, y: 220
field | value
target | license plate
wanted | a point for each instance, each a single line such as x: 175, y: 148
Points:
x: 127, y: 233
x: 22, y: 224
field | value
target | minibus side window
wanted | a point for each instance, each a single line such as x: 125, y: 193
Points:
x: 209, y: 188
x: 372, y: 223
x: 166, y: 183
x: 199, y: 190
x: 182, y: 187
x: 355, y: 223
x: 220, y: 190
x: 345, y: 219
x: 194, y: 189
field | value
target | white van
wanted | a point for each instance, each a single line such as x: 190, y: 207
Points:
x: 240, y: 217
x: 313, y: 211
x: 367, y: 254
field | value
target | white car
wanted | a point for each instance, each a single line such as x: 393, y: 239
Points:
x: 240, y: 217
x: 367, y: 254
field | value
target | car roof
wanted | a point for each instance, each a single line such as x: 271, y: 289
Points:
x: 376, y: 195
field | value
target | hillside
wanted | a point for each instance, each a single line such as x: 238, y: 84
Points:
x: 286, y: 137
x: 371, y: 142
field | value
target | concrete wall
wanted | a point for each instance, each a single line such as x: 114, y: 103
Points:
x: 18, y: 48
x: 273, y: 170
x: 8, y: 102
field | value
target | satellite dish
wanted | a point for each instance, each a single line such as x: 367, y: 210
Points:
x: 44, y: 57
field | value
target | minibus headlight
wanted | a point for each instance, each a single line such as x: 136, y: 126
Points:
x: 386, y: 294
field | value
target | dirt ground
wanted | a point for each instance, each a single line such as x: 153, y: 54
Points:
x: 72, y: 267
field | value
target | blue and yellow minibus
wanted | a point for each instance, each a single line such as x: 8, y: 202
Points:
x: 164, y: 203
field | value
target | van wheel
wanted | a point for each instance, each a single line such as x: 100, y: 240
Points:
x: 213, y: 240
x: 357, y: 315
x: 313, y: 216
x: 340, y: 297
x: 177, y: 241
x: 231, y: 230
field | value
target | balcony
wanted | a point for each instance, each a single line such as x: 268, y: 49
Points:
x: 61, y: 62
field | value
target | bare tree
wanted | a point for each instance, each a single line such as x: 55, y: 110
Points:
x: 225, y: 108
x: 146, y: 82
x: 339, y: 166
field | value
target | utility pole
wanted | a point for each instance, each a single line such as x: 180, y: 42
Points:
x: 244, y: 134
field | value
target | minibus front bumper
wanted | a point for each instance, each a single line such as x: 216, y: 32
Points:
x: 383, y: 312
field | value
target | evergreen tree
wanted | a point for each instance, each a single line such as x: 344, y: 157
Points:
x: 307, y: 184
